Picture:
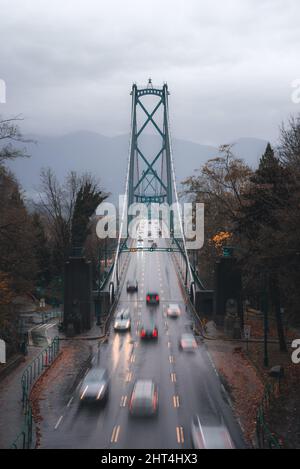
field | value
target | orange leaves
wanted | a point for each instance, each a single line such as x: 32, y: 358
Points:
x: 221, y: 238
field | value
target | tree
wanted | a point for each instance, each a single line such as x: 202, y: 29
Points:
x: 220, y: 186
x: 88, y: 198
x: 42, y: 251
x: 9, y: 134
x: 259, y: 227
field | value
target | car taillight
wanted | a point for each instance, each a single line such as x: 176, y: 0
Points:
x: 154, y: 333
x: 154, y: 401
x: 157, y: 298
x: 143, y: 333
x: 148, y: 298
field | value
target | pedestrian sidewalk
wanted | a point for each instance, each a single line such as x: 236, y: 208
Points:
x: 11, y: 416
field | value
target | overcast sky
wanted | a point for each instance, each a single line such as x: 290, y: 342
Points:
x: 69, y: 65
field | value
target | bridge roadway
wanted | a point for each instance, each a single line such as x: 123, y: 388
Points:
x: 194, y: 379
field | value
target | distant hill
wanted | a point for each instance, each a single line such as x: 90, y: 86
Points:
x: 106, y: 157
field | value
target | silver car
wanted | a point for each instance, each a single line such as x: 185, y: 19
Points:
x: 122, y: 321
x: 210, y: 432
x: 144, y: 399
x: 173, y: 310
x: 95, y: 386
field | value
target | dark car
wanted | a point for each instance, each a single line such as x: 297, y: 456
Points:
x: 152, y: 298
x: 131, y: 286
x: 154, y: 246
x: 95, y: 386
x: 148, y: 331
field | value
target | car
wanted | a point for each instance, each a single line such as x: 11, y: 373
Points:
x: 187, y: 343
x: 95, y: 386
x: 152, y: 299
x: 122, y: 321
x: 144, y: 399
x: 173, y: 311
x: 154, y: 246
x: 140, y: 244
x: 132, y: 286
x: 148, y: 331
x: 210, y: 432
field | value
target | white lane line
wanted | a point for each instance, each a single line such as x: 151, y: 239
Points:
x: 70, y: 401
x: 58, y: 422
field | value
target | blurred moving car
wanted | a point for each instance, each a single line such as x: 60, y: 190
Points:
x: 144, y: 399
x: 173, y: 310
x: 95, y: 386
x: 149, y: 331
x: 154, y: 246
x: 132, y: 286
x: 210, y: 432
x: 152, y: 298
x: 122, y: 321
x: 187, y: 343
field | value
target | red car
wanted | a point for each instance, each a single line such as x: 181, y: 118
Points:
x: 152, y: 299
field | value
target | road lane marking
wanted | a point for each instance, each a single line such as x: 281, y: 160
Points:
x: 70, y: 401
x: 171, y: 359
x: 128, y: 377
x: 58, y: 422
x: 123, y: 401
x: 180, y: 435
x: 169, y: 344
x: 176, y: 402
x: 173, y: 377
x: 115, y: 434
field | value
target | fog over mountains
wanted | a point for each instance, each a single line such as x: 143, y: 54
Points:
x: 106, y: 157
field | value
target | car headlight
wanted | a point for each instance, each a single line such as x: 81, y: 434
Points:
x: 100, y: 392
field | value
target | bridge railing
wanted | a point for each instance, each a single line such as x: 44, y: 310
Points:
x: 188, y: 274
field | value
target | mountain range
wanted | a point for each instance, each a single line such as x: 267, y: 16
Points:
x: 106, y: 157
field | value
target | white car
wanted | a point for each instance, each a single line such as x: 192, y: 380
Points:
x: 210, y: 432
x: 173, y: 310
x: 122, y: 321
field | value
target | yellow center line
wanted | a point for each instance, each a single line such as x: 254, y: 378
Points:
x: 115, y: 434
x: 180, y: 435
x: 123, y: 401
x: 176, y: 401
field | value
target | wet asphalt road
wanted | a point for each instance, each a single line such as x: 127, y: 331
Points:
x: 187, y: 383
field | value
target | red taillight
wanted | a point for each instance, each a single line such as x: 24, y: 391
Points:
x: 154, y: 401
x: 154, y: 333
x: 148, y: 298
x: 143, y: 333
x: 157, y: 298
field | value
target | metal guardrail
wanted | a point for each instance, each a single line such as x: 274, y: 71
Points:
x: 49, y: 315
x: 33, y: 371
x: 265, y: 438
